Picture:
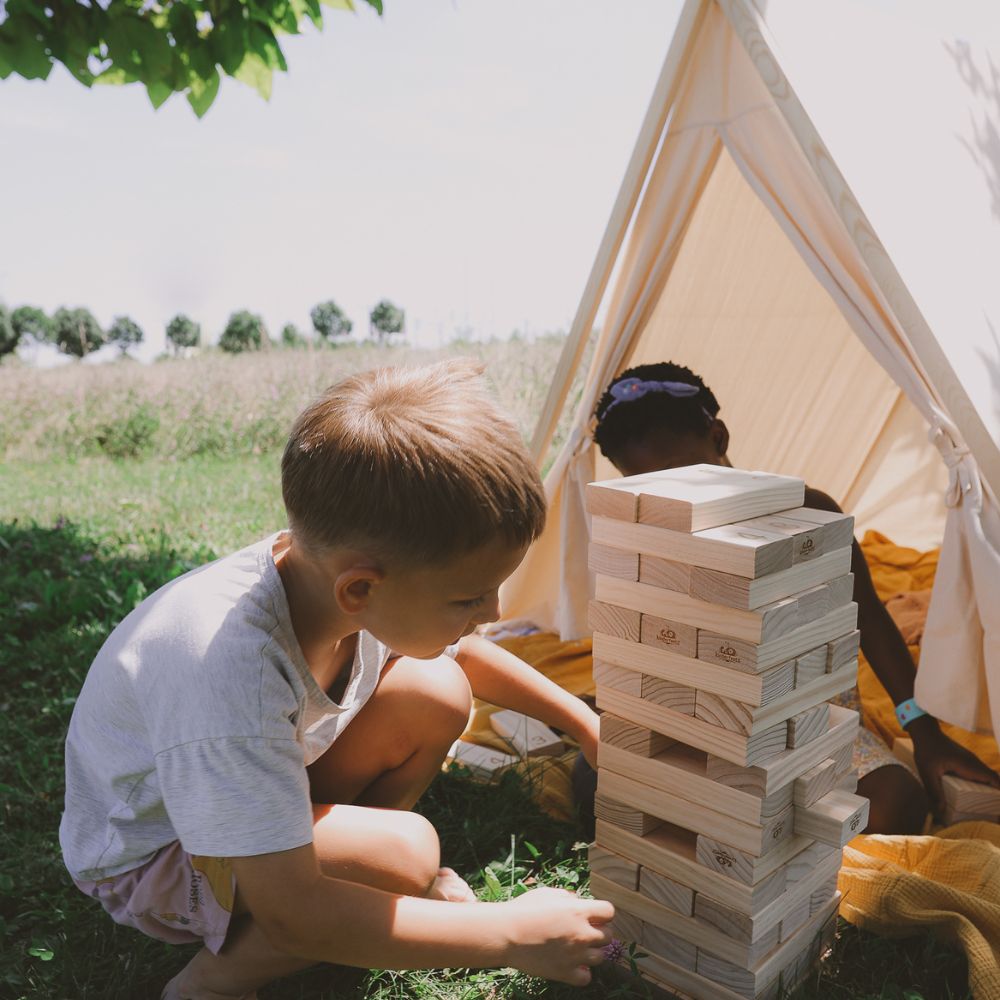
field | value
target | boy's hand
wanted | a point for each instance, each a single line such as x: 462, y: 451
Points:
x: 937, y: 755
x: 558, y: 935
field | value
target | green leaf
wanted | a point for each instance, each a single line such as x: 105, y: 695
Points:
x: 45, y: 954
x: 254, y: 72
x: 158, y: 92
x: 263, y: 42
x: 493, y: 887
x: 116, y: 75
x: 23, y: 50
x: 338, y: 4
x: 229, y: 42
x: 202, y: 93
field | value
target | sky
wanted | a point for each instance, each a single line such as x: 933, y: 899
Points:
x: 459, y: 157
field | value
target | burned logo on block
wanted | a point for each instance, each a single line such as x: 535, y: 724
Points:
x: 727, y: 653
x: 808, y: 544
x: 855, y: 823
x: 723, y: 859
x: 667, y: 635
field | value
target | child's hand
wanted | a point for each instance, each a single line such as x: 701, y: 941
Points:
x: 558, y: 935
x: 937, y: 755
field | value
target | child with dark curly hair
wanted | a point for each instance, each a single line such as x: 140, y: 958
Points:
x: 663, y: 416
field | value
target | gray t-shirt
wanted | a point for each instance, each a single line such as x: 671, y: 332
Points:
x: 196, y: 723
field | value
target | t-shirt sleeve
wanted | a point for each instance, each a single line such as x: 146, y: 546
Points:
x: 236, y: 796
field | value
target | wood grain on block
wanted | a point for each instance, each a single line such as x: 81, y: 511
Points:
x: 843, y: 757
x: 753, y: 838
x: 613, y: 866
x: 741, y: 867
x: 730, y: 651
x: 528, y: 737
x: 681, y: 982
x: 626, y: 816
x: 611, y: 620
x: 701, y: 496
x: 847, y: 782
x: 813, y: 722
x: 754, y: 689
x: 794, y: 920
x: 818, y: 602
x: 815, y: 783
x: 810, y: 666
x: 798, y: 952
x: 665, y: 573
x: 680, y: 771
x: 814, y: 855
x: 807, y: 539
x: 842, y: 650
x: 755, y: 926
x: 635, y: 739
x: 626, y: 927
x: 726, y: 548
x: 834, y: 819
x: 481, y: 762
x: 950, y: 816
x: 669, y: 946
x: 761, y: 625
x: 737, y: 747
x: 674, y: 895
x: 970, y: 798
x: 673, y: 636
x: 779, y: 771
x: 837, y: 529
x: 725, y: 712
x: 671, y: 850
x: 823, y: 894
x: 731, y: 714
x: 688, y: 928
x: 609, y: 675
x: 613, y: 562
x: 612, y: 499
x: 743, y: 592
x: 678, y: 697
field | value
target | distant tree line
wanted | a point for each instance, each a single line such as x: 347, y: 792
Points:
x: 77, y: 333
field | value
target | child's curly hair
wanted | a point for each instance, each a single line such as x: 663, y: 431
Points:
x: 631, y: 421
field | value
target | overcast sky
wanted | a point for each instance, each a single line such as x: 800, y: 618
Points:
x: 459, y: 158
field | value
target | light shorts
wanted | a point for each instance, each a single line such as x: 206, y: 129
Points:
x: 870, y: 753
x: 175, y: 897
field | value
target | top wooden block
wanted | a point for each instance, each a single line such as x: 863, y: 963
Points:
x: 694, y: 497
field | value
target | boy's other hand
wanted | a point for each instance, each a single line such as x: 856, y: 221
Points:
x: 936, y: 755
x: 558, y: 935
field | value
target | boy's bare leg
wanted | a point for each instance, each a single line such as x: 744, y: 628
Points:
x: 383, y: 762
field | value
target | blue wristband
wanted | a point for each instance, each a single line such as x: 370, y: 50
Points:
x: 907, y: 711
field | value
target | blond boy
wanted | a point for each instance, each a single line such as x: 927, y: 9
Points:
x: 248, y: 744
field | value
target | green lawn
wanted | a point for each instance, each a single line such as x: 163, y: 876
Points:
x: 82, y: 541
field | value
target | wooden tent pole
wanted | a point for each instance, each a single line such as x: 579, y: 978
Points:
x: 646, y: 144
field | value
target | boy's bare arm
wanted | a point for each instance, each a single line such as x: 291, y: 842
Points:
x: 499, y: 677
x: 887, y: 654
x: 545, y: 932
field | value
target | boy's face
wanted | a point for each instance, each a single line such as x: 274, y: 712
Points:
x: 418, y: 611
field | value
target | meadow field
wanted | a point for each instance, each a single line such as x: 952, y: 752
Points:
x: 117, y: 478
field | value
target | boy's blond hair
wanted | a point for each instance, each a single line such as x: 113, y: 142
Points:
x: 412, y: 465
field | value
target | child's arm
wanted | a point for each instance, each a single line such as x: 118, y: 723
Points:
x: 501, y: 678
x: 885, y: 649
x: 545, y: 932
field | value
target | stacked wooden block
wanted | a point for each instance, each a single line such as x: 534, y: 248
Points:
x: 723, y: 623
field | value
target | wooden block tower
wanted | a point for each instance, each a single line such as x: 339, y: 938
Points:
x: 723, y: 622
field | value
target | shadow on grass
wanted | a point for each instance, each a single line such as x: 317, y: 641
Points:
x: 61, y: 593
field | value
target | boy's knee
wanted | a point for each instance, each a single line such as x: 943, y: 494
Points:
x: 416, y: 852
x: 441, y: 692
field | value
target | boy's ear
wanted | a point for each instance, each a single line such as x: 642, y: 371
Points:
x: 353, y: 587
x: 720, y: 437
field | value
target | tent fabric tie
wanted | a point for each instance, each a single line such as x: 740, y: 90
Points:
x: 963, y: 473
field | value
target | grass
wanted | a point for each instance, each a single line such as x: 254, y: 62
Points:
x: 84, y: 536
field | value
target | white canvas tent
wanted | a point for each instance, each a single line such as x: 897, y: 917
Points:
x: 811, y: 221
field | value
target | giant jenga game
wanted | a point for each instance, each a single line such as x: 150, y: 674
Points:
x: 723, y: 622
